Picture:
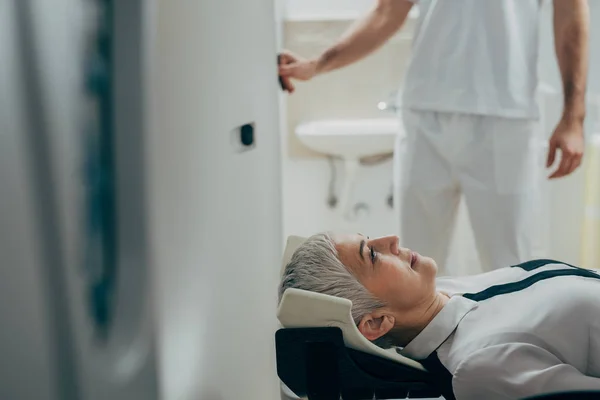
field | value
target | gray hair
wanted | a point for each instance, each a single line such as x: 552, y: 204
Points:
x: 316, y: 267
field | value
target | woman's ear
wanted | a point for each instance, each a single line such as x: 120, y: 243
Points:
x: 373, y: 326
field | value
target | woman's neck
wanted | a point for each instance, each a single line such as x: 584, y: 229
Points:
x: 419, y: 319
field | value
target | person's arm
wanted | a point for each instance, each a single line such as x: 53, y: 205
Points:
x: 516, y: 371
x: 364, y: 37
x: 571, y: 36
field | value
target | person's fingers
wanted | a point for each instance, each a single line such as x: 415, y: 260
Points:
x: 551, y: 153
x: 291, y: 67
x: 287, y: 65
x: 287, y: 84
x: 284, y: 84
x: 568, y: 166
x: 282, y: 70
x: 559, y: 172
x: 287, y: 70
x: 575, y: 163
x: 565, y: 165
x: 286, y: 58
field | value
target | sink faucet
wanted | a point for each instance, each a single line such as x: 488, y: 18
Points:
x: 390, y: 104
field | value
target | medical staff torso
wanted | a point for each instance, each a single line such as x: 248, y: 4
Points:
x: 475, y: 57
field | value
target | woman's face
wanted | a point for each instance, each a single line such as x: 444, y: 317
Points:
x: 401, y: 278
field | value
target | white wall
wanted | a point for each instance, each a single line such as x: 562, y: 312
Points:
x: 216, y: 212
x: 306, y: 189
x: 311, y: 10
x: 319, y: 9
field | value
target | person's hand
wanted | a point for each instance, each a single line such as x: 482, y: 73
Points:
x: 292, y: 66
x: 568, y: 137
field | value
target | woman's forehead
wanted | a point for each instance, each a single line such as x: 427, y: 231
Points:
x: 349, y: 247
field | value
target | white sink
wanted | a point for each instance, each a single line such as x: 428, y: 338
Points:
x: 350, y: 138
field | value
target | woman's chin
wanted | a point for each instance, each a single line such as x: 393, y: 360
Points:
x: 430, y: 264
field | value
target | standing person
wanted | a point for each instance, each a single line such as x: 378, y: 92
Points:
x: 471, y: 115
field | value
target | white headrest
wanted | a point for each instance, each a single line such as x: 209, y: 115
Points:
x: 304, y: 309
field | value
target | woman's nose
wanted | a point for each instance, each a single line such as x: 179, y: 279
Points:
x: 390, y: 243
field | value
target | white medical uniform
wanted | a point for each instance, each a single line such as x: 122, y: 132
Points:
x: 515, y: 332
x: 471, y: 121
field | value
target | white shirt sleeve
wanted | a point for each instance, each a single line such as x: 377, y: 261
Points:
x: 516, y: 371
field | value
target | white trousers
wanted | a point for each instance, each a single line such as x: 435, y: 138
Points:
x: 496, y: 163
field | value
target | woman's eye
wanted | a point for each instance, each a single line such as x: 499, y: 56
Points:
x: 373, y: 255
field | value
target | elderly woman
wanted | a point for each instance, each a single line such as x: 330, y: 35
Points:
x: 515, y: 332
